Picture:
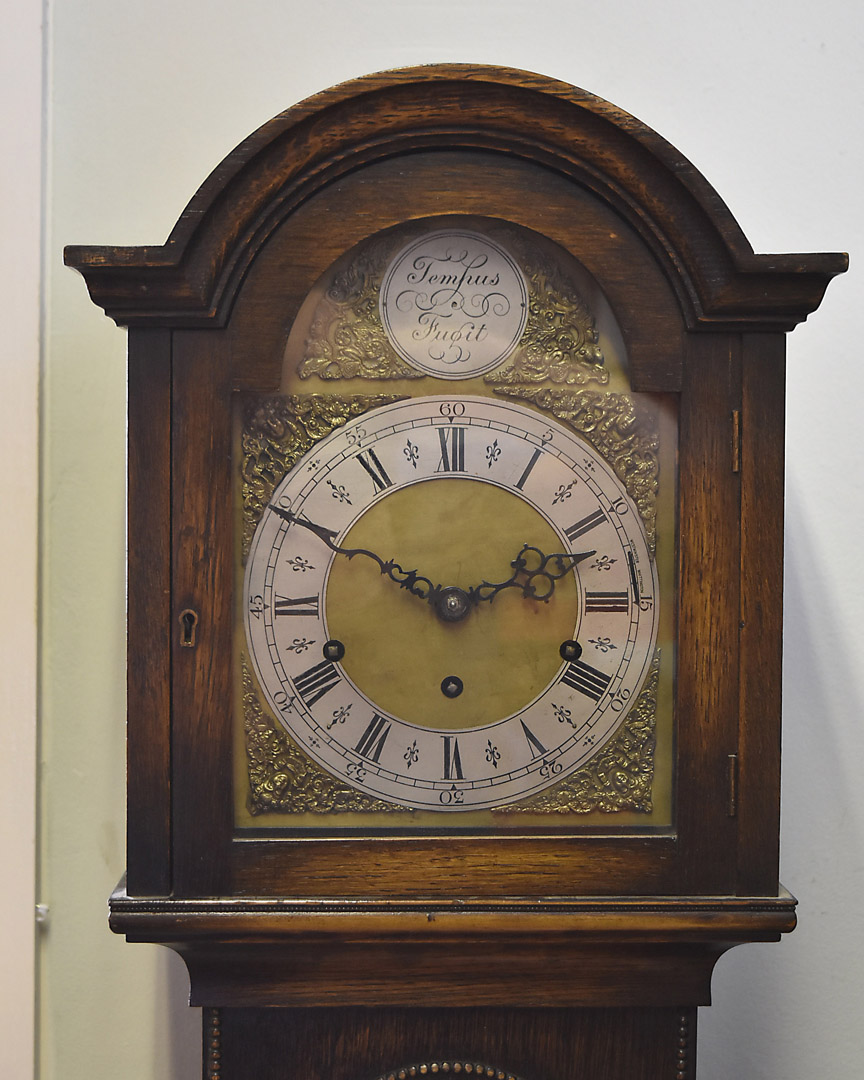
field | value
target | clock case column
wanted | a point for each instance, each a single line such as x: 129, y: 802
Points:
x: 604, y: 942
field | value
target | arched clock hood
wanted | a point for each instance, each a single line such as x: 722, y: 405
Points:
x: 193, y: 279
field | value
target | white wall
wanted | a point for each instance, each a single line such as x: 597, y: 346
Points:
x: 145, y: 99
x: 20, y: 228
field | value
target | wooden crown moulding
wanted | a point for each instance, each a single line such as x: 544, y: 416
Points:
x: 193, y: 279
x: 622, y: 951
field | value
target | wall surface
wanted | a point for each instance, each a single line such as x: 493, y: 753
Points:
x: 20, y: 270
x: 145, y: 99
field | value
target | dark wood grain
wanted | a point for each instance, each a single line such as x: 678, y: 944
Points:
x: 707, y: 702
x: 634, y: 951
x: 550, y: 1044
x: 203, y: 582
x: 464, y: 866
x: 546, y: 973
x: 762, y: 462
x: 148, y: 685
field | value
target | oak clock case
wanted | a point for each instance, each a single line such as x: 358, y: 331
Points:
x: 454, y: 585
x: 424, y: 701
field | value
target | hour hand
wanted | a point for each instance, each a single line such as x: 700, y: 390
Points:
x: 534, y: 574
x: 406, y: 579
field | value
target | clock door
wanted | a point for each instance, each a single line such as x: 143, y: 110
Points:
x: 322, y: 432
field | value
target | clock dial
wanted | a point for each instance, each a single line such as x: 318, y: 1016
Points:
x: 391, y: 582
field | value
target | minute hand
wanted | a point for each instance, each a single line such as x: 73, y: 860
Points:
x: 405, y: 579
x: 537, y: 583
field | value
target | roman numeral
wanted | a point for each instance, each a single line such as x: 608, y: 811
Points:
x: 606, y: 601
x: 586, y: 679
x: 300, y: 605
x: 371, y: 742
x: 634, y: 581
x: 316, y: 681
x: 537, y: 748
x: 452, y: 449
x: 369, y: 460
x: 535, y: 457
x: 452, y: 760
x: 585, y: 525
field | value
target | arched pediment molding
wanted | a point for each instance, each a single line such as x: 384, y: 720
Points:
x: 193, y: 279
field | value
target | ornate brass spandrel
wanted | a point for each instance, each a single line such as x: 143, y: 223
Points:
x: 277, y: 430
x: 618, y: 428
x: 619, y: 777
x: 282, y: 778
x: 560, y: 342
x: 347, y: 339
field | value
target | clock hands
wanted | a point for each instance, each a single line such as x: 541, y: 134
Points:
x: 451, y: 603
x: 537, y: 583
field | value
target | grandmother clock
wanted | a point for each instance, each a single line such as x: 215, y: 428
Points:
x: 455, y: 569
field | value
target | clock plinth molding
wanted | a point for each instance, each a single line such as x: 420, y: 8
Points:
x: 587, y: 952
x: 524, y: 952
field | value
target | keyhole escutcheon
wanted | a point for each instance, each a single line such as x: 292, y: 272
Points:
x: 188, y: 622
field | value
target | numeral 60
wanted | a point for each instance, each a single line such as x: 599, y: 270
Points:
x: 619, y: 701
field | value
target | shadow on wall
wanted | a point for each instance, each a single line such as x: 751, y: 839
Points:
x: 761, y: 992
x: 178, y: 1026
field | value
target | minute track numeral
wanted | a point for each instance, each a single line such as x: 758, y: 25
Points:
x: 316, y: 681
x: 585, y: 525
x: 371, y: 742
x: 369, y: 460
x: 296, y: 605
x: 607, y: 601
x: 452, y: 441
x: 586, y: 679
